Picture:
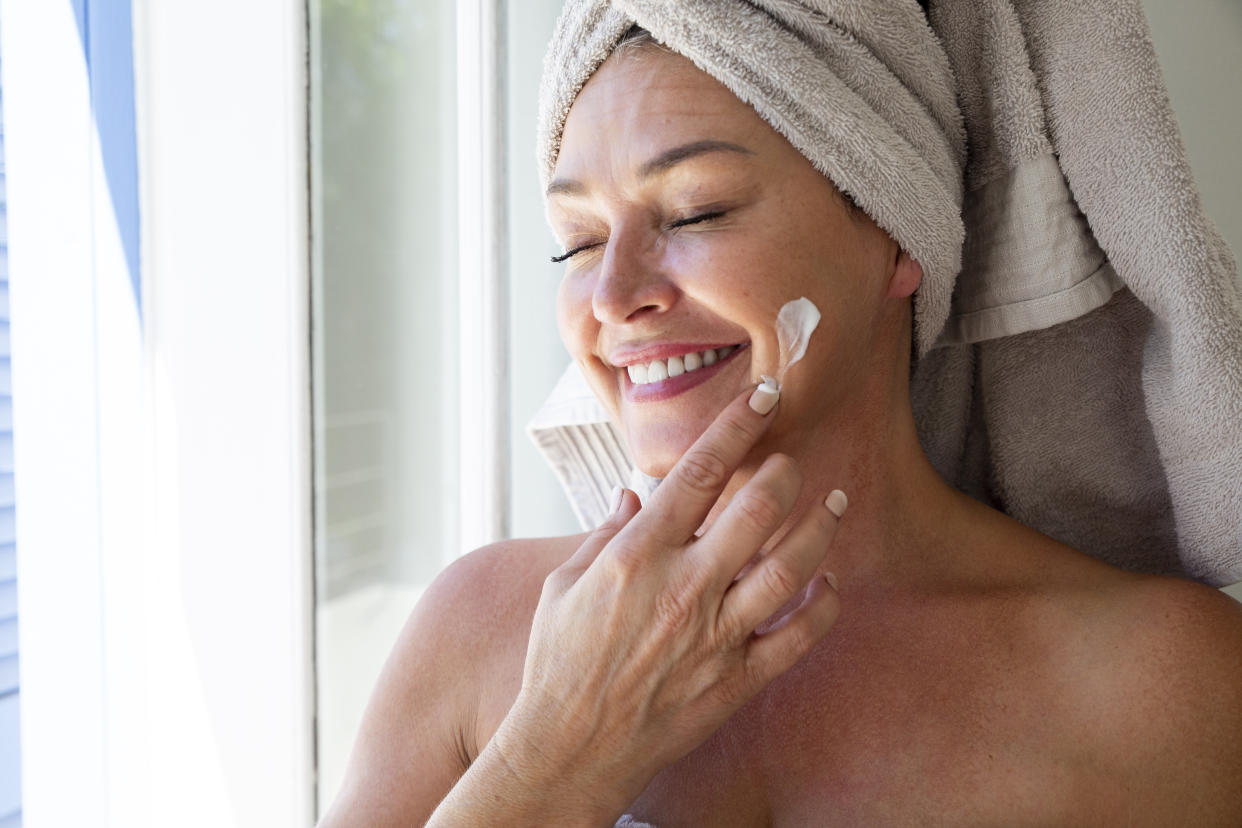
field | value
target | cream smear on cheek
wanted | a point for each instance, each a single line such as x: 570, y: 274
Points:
x: 795, y: 323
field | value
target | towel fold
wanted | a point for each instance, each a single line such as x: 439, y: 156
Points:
x: 1078, y: 332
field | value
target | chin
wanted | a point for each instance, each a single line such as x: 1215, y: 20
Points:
x: 655, y: 454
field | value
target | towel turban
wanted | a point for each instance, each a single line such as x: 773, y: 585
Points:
x: 862, y: 89
x: 1078, y: 330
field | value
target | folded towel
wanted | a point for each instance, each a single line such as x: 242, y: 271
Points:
x: 1078, y: 332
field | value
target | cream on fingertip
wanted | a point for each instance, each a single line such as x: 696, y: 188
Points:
x: 836, y: 502
x: 765, y: 397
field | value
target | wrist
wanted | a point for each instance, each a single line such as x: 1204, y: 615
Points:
x: 512, y: 783
x: 552, y: 789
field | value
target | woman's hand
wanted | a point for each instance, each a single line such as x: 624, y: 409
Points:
x: 644, y: 642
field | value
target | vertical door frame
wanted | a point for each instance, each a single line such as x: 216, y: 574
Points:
x: 483, y: 245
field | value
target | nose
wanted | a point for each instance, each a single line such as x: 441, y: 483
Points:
x: 631, y: 283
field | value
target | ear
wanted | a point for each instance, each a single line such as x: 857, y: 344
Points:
x: 907, y: 274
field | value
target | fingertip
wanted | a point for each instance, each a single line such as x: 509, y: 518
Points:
x: 837, y: 503
x: 625, y: 505
x: 765, y: 397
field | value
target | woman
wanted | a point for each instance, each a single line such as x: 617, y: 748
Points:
x: 743, y: 650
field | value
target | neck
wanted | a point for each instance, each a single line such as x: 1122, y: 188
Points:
x: 903, y: 518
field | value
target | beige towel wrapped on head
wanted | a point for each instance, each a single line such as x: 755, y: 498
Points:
x: 1078, y: 332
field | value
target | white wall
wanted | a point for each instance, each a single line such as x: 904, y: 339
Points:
x: 1199, y: 45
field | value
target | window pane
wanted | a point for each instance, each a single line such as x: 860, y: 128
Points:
x: 385, y: 307
x: 537, y: 357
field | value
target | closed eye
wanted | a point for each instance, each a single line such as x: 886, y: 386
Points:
x: 696, y: 219
x: 679, y: 223
x: 574, y: 252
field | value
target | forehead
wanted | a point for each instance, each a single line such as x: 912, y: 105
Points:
x: 643, y: 101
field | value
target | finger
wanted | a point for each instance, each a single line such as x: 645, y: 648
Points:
x: 781, y: 574
x: 625, y: 505
x: 755, y: 512
x: 775, y: 651
x: 681, y: 502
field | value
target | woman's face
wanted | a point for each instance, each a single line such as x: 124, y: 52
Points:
x: 694, y: 222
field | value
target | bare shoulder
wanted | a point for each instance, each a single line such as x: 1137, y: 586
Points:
x: 455, y: 666
x: 483, y: 596
x: 1167, y: 698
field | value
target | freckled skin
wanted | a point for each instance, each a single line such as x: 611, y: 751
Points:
x: 786, y: 233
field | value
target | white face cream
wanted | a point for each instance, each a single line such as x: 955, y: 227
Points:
x: 795, y: 323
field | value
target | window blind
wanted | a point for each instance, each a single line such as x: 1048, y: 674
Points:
x: 10, y: 736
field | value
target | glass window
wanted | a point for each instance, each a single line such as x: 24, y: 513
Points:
x: 384, y: 246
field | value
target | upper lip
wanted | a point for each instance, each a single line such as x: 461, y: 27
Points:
x: 632, y: 356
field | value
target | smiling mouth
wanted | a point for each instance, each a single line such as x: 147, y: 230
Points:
x: 663, y: 378
x: 658, y: 370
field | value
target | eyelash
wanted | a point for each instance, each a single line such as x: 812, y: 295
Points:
x: 701, y: 217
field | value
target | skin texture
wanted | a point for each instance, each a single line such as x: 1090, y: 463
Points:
x: 968, y: 671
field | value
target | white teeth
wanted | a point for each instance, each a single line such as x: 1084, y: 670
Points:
x: 659, y: 369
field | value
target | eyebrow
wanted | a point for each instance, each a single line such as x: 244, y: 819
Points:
x: 660, y: 164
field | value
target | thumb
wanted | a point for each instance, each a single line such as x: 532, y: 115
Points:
x: 625, y: 505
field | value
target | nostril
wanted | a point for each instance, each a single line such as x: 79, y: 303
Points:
x: 644, y: 308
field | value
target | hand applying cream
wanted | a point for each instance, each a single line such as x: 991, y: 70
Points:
x: 795, y: 323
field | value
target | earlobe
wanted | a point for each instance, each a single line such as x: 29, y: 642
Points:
x: 907, y: 274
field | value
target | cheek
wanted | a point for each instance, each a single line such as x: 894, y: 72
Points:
x: 580, y: 332
x: 574, y: 319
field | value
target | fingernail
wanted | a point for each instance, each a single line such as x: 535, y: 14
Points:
x: 765, y: 397
x: 836, y: 502
x: 831, y: 579
x: 615, y: 499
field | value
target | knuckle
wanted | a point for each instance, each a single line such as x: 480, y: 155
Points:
x: 760, y: 509
x: 622, y: 564
x: 825, y: 521
x: 557, y: 581
x: 673, y: 609
x: 731, y: 630
x: 779, y: 578
x: 816, y: 539
x: 703, y: 470
x: 786, y: 468
x: 734, y: 690
x: 738, y: 433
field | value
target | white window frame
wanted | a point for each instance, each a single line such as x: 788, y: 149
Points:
x: 483, y: 299
x: 164, y: 526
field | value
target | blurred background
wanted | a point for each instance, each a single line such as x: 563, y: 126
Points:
x: 281, y: 311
